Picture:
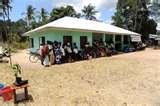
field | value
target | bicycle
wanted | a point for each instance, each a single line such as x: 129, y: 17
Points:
x: 34, y: 57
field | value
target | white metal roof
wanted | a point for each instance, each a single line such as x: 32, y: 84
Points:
x: 70, y: 23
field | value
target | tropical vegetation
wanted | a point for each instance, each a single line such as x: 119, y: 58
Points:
x: 134, y: 15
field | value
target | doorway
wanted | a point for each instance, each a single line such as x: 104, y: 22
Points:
x: 67, y: 39
x: 83, y: 40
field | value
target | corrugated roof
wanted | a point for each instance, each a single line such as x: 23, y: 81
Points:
x: 70, y: 23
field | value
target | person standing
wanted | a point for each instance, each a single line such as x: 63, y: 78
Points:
x: 51, y: 53
x: 41, y: 53
x: 46, y: 54
x: 58, y: 53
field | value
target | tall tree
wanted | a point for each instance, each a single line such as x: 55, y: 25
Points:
x: 43, y: 15
x: 154, y: 8
x: 5, y: 8
x: 89, y: 12
x: 134, y: 15
x: 62, y: 12
x: 30, y: 15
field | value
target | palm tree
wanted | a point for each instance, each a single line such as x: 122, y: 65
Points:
x: 43, y: 15
x: 5, y: 8
x: 62, y: 12
x: 30, y: 15
x: 89, y: 12
x: 4, y: 13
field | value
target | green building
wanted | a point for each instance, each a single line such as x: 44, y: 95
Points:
x: 80, y: 31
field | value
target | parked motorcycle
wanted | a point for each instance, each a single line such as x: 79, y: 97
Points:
x: 4, y: 53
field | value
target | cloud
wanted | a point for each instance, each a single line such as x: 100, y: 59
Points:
x: 101, y: 5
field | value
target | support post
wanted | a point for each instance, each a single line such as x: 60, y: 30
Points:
x: 122, y: 40
x: 114, y: 40
x: 104, y: 37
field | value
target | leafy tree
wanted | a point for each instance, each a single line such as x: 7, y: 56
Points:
x: 134, y: 15
x: 154, y: 8
x: 89, y: 12
x: 62, y: 12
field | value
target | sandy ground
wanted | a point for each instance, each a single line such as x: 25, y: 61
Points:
x: 127, y: 79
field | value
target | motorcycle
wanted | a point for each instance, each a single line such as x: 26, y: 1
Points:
x: 5, y: 53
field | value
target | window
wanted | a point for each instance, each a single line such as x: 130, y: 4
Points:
x: 31, y: 42
x: 126, y: 39
x: 83, y: 40
x: 118, y: 38
x: 67, y: 39
x: 42, y: 40
x: 109, y: 38
x: 97, y: 37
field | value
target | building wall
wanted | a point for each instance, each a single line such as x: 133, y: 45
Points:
x: 57, y: 35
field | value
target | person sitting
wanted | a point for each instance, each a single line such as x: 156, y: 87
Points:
x: 75, y: 51
x: 63, y: 57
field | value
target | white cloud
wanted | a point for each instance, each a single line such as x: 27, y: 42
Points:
x: 101, y: 5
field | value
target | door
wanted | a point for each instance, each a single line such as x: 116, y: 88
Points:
x: 67, y: 39
x: 118, y: 42
x: 42, y: 40
x: 83, y: 40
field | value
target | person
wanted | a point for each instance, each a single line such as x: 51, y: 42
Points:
x: 41, y: 53
x: 58, y: 53
x: 46, y: 55
x: 51, y: 53
x: 63, y: 57
x: 69, y: 52
x: 75, y: 51
x: 75, y: 48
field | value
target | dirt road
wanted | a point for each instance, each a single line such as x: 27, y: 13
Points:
x: 127, y: 79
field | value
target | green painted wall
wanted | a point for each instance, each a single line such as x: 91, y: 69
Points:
x: 52, y: 35
x: 57, y: 35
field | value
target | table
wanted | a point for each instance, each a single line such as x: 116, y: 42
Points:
x: 25, y: 87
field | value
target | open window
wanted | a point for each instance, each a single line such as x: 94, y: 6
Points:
x: 31, y: 42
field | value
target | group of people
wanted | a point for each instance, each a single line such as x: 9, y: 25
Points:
x: 56, y: 53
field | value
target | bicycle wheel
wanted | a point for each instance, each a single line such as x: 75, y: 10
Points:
x: 33, y: 58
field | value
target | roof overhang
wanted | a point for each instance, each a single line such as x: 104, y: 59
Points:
x: 152, y: 36
x: 73, y: 24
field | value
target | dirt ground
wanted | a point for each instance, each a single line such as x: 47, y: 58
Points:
x: 127, y: 79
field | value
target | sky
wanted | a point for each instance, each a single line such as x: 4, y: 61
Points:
x: 106, y: 8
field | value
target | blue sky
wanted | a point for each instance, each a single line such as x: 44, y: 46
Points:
x: 106, y: 8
